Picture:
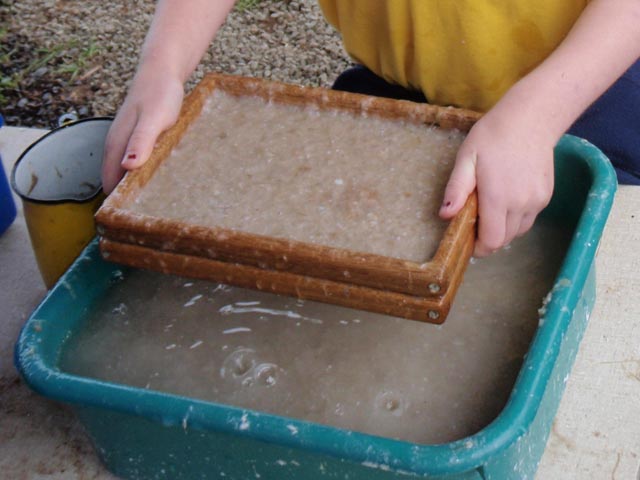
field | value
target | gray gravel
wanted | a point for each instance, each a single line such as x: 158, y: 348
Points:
x: 286, y: 40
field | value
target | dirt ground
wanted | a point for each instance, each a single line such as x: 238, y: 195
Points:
x: 69, y: 56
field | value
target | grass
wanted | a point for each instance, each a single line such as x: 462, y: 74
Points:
x: 78, y: 64
x: 64, y: 60
x: 242, y: 5
x: 7, y: 81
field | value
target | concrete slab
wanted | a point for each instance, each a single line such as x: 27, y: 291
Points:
x: 39, y: 439
x: 596, y: 433
x: 20, y: 285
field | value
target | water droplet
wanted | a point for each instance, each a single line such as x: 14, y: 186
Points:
x: 266, y: 374
x: 121, y: 309
x: 238, y: 364
x: 391, y: 402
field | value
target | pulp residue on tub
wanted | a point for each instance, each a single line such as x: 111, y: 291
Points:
x: 351, y: 369
x: 324, y: 177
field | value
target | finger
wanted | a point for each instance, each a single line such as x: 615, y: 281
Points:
x: 141, y: 142
x: 527, y: 222
x: 114, y: 148
x: 491, y: 229
x: 460, y: 185
x: 512, y: 227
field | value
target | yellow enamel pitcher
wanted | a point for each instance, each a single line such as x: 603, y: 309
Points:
x: 58, y: 180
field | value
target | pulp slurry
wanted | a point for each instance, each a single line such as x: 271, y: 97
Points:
x: 350, y: 369
x: 324, y: 177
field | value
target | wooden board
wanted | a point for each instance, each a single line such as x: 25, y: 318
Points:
x: 286, y: 265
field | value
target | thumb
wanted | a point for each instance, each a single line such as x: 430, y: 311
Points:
x: 460, y: 185
x: 141, y: 142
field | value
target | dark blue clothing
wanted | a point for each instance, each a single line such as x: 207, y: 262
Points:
x: 612, y: 123
x: 360, y: 79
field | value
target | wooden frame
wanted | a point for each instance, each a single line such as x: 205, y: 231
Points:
x: 419, y: 291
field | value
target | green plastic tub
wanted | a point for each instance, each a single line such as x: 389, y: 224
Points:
x: 146, y: 434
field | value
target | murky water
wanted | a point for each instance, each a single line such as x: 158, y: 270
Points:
x: 352, y: 369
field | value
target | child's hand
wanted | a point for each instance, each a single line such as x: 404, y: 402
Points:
x: 510, y: 162
x: 508, y: 155
x: 152, y: 105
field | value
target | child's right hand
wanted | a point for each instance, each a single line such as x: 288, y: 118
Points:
x: 178, y: 37
x: 151, y: 106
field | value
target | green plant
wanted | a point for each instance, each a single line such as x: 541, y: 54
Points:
x: 66, y: 60
x: 74, y: 65
x: 243, y: 5
x: 7, y: 80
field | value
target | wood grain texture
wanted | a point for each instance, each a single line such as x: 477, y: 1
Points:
x: 432, y: 280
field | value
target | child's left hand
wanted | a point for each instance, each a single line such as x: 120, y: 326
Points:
x: 509, y: 159
x: 508, y: 154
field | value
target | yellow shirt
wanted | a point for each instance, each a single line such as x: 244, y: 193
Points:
x: 458, y: 52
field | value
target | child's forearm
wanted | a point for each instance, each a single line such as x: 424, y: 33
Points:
x: 602, y: 44
x: 180, y: 34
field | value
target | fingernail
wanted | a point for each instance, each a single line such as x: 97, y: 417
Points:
x: 129, y: 158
